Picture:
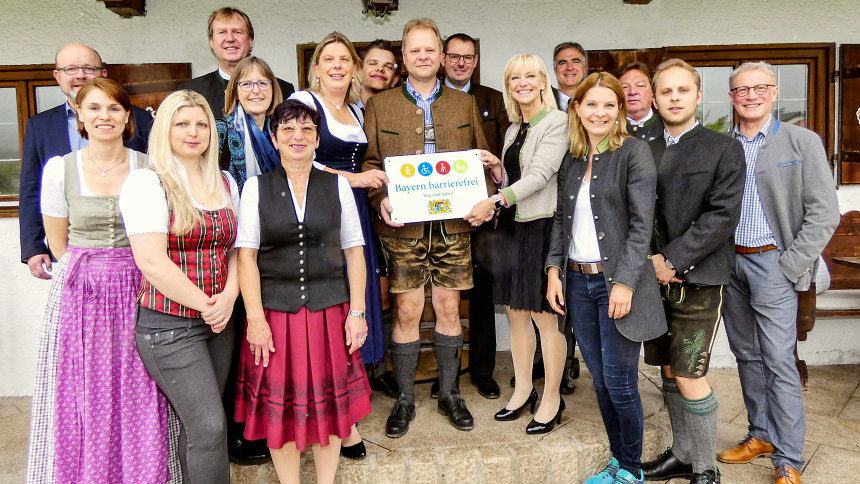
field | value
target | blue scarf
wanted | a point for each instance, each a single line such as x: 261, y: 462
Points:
x: 261, y: 141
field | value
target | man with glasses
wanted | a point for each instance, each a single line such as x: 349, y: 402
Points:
x: 700, y: 182
x: 380, y: 71
x: 570, y: 69
x: 788, y: 215
x: 642, y: 121
x: 231, y: 37
x: 460, y: 62
x: 54, y: 132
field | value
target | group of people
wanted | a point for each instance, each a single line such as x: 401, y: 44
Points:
x: 211, y: 297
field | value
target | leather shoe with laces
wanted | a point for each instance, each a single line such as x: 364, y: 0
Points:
x: 453, y: 406
x: 398, y: 422
x: 707, y: 477
x: 746, y: 450
x: 666, y: 466
x: 487, y: 387
x: 785, y: 474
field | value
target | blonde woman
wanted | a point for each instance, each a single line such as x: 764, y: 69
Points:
x: 181, y: 220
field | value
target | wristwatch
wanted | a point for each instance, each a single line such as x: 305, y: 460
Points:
x: 497, y: 201
x: 668, y: 264
x: 357, y: 314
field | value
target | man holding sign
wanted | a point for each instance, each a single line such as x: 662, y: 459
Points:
x: 424, y: 117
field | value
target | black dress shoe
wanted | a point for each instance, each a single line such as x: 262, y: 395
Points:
x: 453, y: 406
x: 567, y: 385
x: 487, y: 387
x: 247, y: 452
x: 666, y: 466
x: 385, y: 383
x: 398, y: 422
x: 434, y: 389
x: 505, y: 415
x: 357, y: 451
x: 534, y: 427
x: 707, y: 477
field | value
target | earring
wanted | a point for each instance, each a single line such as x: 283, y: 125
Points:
x: 616, y: 121
x: 317, y: 80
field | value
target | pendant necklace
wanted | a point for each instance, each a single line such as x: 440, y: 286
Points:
x: 104, y: 172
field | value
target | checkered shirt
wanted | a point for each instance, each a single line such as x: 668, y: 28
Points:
x: 753, y: 229
x: 424, y: 103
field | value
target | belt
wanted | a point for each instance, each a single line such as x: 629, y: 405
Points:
x: 739, y: 249
x: 588, y: 268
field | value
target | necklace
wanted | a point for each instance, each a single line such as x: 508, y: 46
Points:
x: 104, y: 172
x: 336, y: 106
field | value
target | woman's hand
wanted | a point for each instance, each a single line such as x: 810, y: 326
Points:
x: 219, y: 312
x: 356, y: 332
x: 368, y: 179
x: 493, y: 163
x: 483, y: 211
x: 620, y: 298
x: 260, y: 339
x: 554, y: 291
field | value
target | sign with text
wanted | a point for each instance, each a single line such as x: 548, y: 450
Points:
x: 437, y: 186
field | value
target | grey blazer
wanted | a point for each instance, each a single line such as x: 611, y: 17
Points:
x: 799, y: 200
x: 623, y: 186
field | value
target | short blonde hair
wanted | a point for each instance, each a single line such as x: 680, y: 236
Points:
x: 420, y: 23
x: 526, y: 63
x: 185, y: 215
x: 577, y: 133
x: 354, y: 93
x: 231, y: 95
x: 670, y: 63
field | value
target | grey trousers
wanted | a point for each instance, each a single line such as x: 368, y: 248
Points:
x: 760, y: 317
x: 189, y: 363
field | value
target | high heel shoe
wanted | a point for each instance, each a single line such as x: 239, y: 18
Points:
x: 534, y: 427
x: 356, y: 451
x: 505, y: 415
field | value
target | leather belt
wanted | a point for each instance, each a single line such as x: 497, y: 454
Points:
x: 589, y: 268
x: 739, y: 249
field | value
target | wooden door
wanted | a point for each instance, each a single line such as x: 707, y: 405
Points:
x: 849, y: 113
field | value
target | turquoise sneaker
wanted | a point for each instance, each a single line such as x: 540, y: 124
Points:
x: 607, y: 475
x: 624, y: 477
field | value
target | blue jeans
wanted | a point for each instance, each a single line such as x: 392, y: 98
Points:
x: 613, y: 361
x: 761, y: 324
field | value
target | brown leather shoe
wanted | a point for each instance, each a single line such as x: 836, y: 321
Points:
x: 785, y: 474
x: 747, y: 450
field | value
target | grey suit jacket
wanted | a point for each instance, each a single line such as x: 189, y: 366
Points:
x: 799, y: 200
x: 623, y: 186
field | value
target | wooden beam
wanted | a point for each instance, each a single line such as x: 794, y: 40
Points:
x: 126, y: 8
x: 637, y: 2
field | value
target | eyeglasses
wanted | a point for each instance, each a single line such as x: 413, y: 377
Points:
x: 264, y: 85
x: 290, y: 129
x: 455, y: 58
x: 760, y: 89
x: 388, y: 66
x: 72, y: 70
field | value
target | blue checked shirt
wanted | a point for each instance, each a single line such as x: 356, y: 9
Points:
x: 753, y: 229
x: 424, y: 103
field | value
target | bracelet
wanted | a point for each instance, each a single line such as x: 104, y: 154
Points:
x: 357, y: 314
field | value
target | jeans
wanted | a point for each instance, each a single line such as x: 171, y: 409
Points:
x: 190, y: 365
x: 613, y: 361
x: 761, y: 324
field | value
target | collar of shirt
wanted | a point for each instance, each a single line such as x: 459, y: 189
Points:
x: 763, y: 131
x: 223, y: 74
x: 670, y: 140
x: 601, y: 147
x: 76, y: 141
x: 642, y: 122
x: 417, y: 94
x: 564, y: 99
x: 465, y: 88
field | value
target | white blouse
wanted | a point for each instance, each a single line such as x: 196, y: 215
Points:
x: 249, y: 216
x: 345, y: 132
x: 584, y: 247
x: 143, y: 202
x: 53, y: 196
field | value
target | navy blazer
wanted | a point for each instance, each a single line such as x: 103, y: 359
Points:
x: 212, y: 86
x: 46, y: 136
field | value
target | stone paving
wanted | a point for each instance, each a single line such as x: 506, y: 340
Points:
x: 501, y: 452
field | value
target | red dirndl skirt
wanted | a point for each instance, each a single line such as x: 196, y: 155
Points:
x: 312, y: 388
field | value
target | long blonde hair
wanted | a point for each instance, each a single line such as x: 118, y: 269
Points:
x: 526, y: 63
x: 577, y: 133
x: 354, y: 92
x: 185, y: 216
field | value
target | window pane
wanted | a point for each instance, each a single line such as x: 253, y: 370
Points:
x: 716, y: 116
x: 10, y: 143
x: 792, y: 112
x: 715, y: 83
x: 8, y: 106
x: 48, y: 97
x: 792, y: 81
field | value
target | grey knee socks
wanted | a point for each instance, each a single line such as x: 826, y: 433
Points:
x: 682, y: 445
x: 701, y: 417
x: 404, y: 359
x: 448, y: 361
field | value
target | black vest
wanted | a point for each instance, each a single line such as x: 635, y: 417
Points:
x: 301, y: 264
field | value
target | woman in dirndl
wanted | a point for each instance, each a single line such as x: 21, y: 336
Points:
x: 302, y: 274
x: 97, y: 414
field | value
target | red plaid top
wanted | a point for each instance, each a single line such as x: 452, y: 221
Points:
x: 202, y: 256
